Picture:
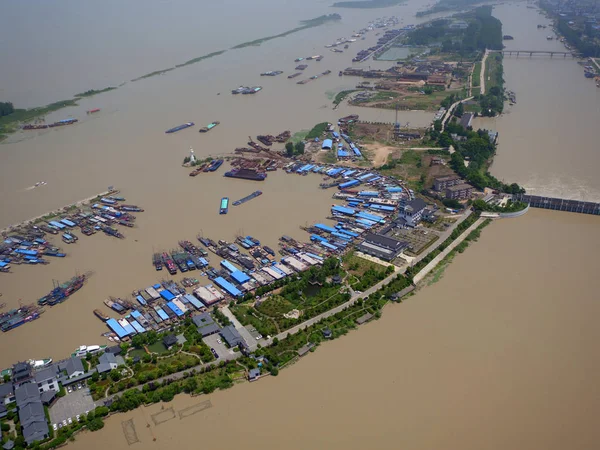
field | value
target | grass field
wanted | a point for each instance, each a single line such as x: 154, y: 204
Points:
x: 476, y: 74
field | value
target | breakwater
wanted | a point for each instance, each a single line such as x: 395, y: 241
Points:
x: 559, y: 204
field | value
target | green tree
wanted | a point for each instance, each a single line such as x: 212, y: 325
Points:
x: 437, y: 125
x: 459, y: 110
x: 289, y: 148
x: 299, y: 148
x: 115, y: 375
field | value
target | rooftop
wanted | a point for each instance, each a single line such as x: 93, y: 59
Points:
x: 460, y: 187
x: 6, y: 389
x: 385, y: 242
x: 364, y: 318
x: 71, y: 366
x: 231, y: 335
x: 45, y: 374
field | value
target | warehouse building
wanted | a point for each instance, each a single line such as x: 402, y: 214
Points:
x: 382, y: 247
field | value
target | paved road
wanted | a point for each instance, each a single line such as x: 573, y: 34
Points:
x: 448, y: 114
x: 482, y: 72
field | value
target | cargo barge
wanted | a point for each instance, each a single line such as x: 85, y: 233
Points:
x: 224, y: 205
x: 301, y: 67
x: 247, y: 198
x: 246, y: 174
x: 180, y: 127
x: 209, y: 127
x: 271, y: 73
x: 246, y: 90
x: 214, y: 165
x: 100, y: 315
x: 294, y: 75
x: 60, y: 123
x: 17, y: 317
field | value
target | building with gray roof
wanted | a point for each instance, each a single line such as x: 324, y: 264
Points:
x: 231, y: 336
x: 106, y: 363
x: 206, y: 324
x: 21, y: 373
x: 31, y: 413
x: 382, y: 247
x: 72, y: 366
x: 3, y: 411
x: 47, y: 379
x: 412, y: 211
x: 8, y: 445
x: 253, y: 374
x: 48, y: 396
x: 7, y: 393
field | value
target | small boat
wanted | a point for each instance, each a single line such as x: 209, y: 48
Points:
x: 180, y: 127
x: 92, y: 111
x: 209, y: 127
x: 224, y: 205
x: 298, y: 59
x: 100, y: 315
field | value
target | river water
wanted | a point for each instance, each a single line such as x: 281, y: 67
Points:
x: 490, y: 357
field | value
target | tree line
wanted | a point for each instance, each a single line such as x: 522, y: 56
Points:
x: 6, y: 108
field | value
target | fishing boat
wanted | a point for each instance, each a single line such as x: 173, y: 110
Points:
x: 63, y: 291
x: 84, y: 350
x: 269, y: 250
x: 271, y: 73
x: 209, y: 127
x: 180, y: 127
x: 294, y: 75
x: 224, y: 205
x: 100, y: 315
x: 247, y: 198
x: 157, y: 261
x: 39, y: 363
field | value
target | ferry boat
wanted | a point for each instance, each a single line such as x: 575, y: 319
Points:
x: 39, y: 363
x: 209, y: 127
x: 84, y: 350
x: 224, y: 205
x: 180, y: 127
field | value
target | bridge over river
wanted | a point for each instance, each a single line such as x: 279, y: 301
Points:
x: 532, y: 53
x: 559, y: 204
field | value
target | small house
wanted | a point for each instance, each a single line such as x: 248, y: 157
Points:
x: 169, y: 341
x: 253, y: 374
x: 327, y: 334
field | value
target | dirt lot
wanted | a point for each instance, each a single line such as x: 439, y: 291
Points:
x: 379, y: 153
x: 418, y: 239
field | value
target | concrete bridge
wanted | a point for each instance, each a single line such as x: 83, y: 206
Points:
x: 532, y: 53
x: 559, y: 204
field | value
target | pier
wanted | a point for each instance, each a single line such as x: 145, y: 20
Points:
x: 559, y: 204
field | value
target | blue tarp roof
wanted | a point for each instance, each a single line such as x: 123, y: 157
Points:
x: 341, y: 236
x: 317, y: 257
x: 173, y: 307
x: 365, y: 176
x: 26, y: 252
x: 156, y: 286
x: 343, y: 210
x: 382, y: 207
x: 135, y: 314
x: 240, y: 276
x: 316, y: 237
x: 141, y: 300
x: 229, y: 266
x: 58, y: 225
x: 328, y: 245
x: 3, y: 264
x: 227, y: 286
x: 334, y: 172
x: 356, y: 151
x: 394, y: 189
x: 167, y: 295
x: 279, y: 271
x: 116, y: 328
x: 349, y: 233
x: 364, y: 215
x: 374, y: 179
x: 335, y: 134
x: 348, y: 184
x: 67, y: 222
x: 342, y: 154
x: 193, y: 300
x: 163, y: 315
x: 369, y: 193
x: 137, y: 327
x: 354, y: 199
x: 365, y: 222
x: 323, y: 227
x: 202, y: 261
x: 327, y: 144
x: 129, y: 328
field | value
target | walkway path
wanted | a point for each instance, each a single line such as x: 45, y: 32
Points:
x: 449, y: 111
x: 435, y: 261
x: 482, y: 72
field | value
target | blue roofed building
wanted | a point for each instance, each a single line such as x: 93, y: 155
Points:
x: 327, y: 144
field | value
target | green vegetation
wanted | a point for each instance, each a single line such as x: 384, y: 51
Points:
x: 292, y: 149
x: 448, y: 5
x: 6, y: 108
x: 476, y: 74
x: 340, y: 96
x: 312, y: 293
x: 200, y: 58
x: 492, y: 102
x: 367, y: 4
x: 480, y: 205
x: 93, y: 92
x: 305, y: 25
x: 153, y: 74
x: 365, y: 273
x: 317, y: 131
x: 582, y: 40
x: 9, y: 123
x: 483, y: 31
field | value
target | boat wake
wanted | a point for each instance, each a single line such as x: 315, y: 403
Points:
x: 36, y: 185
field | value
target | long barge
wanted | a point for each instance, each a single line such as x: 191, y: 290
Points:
x: 63, y: 291
x: 247, y: 198
x: 209, y: 127
x: 214, y: 165
x: 224, y: 205
x: 246, y: 174
x: 180, y: 127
